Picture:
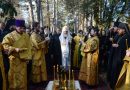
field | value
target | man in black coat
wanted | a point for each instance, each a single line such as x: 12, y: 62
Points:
x: 2, y: 34
x: 55, y: 48
x: 112, y: 38
x: 119, y: 52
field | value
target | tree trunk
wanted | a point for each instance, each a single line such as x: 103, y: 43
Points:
x: 83, y: 21
x: 42, y: 22
x: 96, y: 12
x: 54, y: 15
x: 48, y: 14
x: 31, y: 11
x: 38, y: 3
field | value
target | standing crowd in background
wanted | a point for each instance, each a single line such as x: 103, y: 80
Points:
x: 28, y: 54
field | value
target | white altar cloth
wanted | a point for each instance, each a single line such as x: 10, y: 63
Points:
x: 50, y: 85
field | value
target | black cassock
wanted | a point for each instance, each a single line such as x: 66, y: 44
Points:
x: 115, y: 61
x: 5, y: 58
x: 56, y: 49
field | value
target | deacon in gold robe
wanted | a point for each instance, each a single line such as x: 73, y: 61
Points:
x: 77, y: 39
x: 39, y: 73
x: 18, y: 46
x: 2, y: 71
x: 123, y: 82
x: 89, y: 65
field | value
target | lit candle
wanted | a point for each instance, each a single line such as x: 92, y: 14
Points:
x: 73, y: 75
x: 54, y: 72
x: 65, y: 81
x: 65, y: 76
x: 65, y: 88
x: 127, y: 44
x: 112, y: 41
x: 57, y: 73
x: 73, y: 78
x: 69, y: 72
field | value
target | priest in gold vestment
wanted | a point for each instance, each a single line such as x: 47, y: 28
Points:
x: 18, y: 46
x: 2, y: 71
x: 123, y: 82
x: 89, y: 65
x: 39, y: 73
x: 77, y: 39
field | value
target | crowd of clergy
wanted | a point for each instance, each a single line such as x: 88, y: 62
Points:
x: 27, y: 55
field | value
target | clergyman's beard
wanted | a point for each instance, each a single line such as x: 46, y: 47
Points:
x: 46, y: 35
x: 20, y: 32
x: 65, y: 36
x: 92, y: 35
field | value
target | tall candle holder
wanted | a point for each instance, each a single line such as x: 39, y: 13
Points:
x: 69, y: 80
x: 73, y: 82
x: 73, y: 75
x: 61, y: 82
x: 56, y: 80
x: 57, y: 72
x: 54, y: 71
x: 69, y: 73
x: 65, y: 81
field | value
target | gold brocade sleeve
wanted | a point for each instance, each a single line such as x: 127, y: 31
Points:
x: 37, y: 46
x: 36, y: 41
x: 82, y: 50
x: 42, y: 44
x: 91, y: 46
x: 7, y: 44
x: 23, y: 43
x: 127, y: 58
x: 82, y: 47
x: 75, y: 38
